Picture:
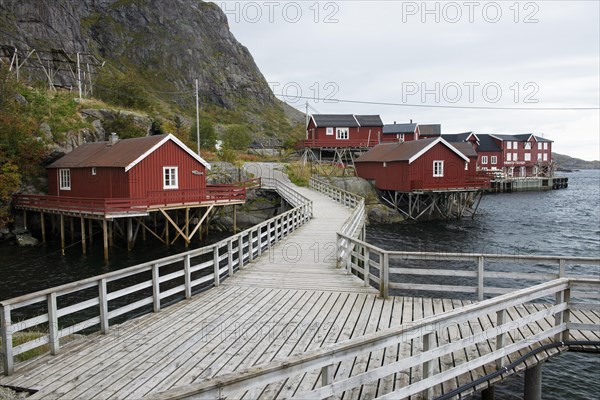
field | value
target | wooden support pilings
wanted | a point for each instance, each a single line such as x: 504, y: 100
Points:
x: 129, y: 234
x: 62, y: 234
x: 43, y: 227
x: 83, y: 241
x: 532, y: 389
x: 105, y: 237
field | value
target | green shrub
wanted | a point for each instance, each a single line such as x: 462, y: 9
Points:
x: 237, y: 137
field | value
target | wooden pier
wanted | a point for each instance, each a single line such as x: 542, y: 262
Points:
x: 529, y: 184
x: 288, y: 309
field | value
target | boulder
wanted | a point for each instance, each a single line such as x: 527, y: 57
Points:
x: 380, y: 214
x: 357, y: 186
x: 26, y: 240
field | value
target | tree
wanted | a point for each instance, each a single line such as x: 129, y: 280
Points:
x: 236, y: 137
x: 208, y: 136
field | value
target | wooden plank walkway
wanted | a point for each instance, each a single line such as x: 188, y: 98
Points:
x: 289, y: 301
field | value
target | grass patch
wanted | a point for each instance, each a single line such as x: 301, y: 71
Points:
x: 298, y: 173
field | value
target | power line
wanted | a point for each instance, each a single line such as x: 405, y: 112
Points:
x: 380, y: 103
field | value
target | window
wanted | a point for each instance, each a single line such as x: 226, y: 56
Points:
x: 539, y: 145
x: 494, y: 160
x: 342, y: 133
x: 527, y: 145
x: 170, y: 178
x: 545, y: 145
x: 329, y: 132
x: 545, y: 156
x: 515, y: 145
x: 527, y: 156
x: 400, y: 137
x: 515, y: 157
x: 93, y: 170
x: 540, y: 156
x: 509, y: 145
x: 438, y: 168
x: 484, y: 159
x: 64, y: 179
x: 508, y: 156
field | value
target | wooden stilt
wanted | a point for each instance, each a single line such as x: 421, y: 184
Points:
x: 62, y: 234
x: 105, y: 237
x: 25, y: 219
x: 43, y: 226
x: 91, y: 230
x: 129, y: 234
x: 187, y: 226
x: 110, y: 233
x: 72, y: 228
x: 167, y: 242
x: 143, y: 230
x: 83, y: 244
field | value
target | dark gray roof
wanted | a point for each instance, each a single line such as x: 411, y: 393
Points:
x: 466, y: 148
x: 520, y: 137
x: 393, y: 129
x: 487, y: 143
x: 335, y: 120
x: 456, y: 137
x: 369, y: 120
x: 431, y: 130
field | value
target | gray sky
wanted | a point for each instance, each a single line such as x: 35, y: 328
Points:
x: 478, y: 53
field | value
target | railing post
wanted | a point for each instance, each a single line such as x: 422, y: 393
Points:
x: 384, y: 275
x: 259, y: 232
x: 561, y: 268
x: 428, y: 344
x: 241, y: 251
x: 230, y: 257
x: 500, y: 320
x: 216, y: 265
x: 53, y: 324
x: 250, y: 247
x: 563, y: 316
x: 103, y: 299
x: 480, y: 264
x: 366, y: 265
x: 269, y: 235
x: 156, y: 287
x: 187, y: 275
x: 7, y: 345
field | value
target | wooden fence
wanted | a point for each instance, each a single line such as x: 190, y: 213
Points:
x: 57, y: 311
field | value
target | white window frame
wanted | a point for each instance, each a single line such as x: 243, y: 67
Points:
x: 94, y: 171
x: 515, y: 156
x: 64, y: 179
x: 509, y: 145
x: 545, y: 145
x: 540, y: 145
x: 484, y: 160
x: 545, y: 156
x: 168, y: 180
x: 508, y: 156
x: 515, y: 145
x: 527, y: 156
x: 466, y: 165
x: 438, y: 169
x: 342, y: 133
x: 527, y: 145
x: 494, y: 160
x: 539, y: 157
x: 329, y: 131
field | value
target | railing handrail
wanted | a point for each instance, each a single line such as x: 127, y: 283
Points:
x: 329, y: 356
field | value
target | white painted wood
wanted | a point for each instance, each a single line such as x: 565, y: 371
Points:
x: 53, y: 324
x: 103, y: 302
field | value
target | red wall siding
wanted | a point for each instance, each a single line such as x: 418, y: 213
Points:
x: 148, y: 174
x: 356, y: 137
x: 107, y: 183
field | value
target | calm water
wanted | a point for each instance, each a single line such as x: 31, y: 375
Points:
x: 563, y: 222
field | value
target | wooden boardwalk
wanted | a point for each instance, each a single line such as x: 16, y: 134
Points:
x: 291, y: 300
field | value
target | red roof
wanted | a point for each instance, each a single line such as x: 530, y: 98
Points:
x: 405, y: 151
x: 122, y: 154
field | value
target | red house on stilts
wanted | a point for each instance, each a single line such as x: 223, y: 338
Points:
x: 128, y: 180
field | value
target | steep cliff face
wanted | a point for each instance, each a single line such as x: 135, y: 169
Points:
x: 167, y: 43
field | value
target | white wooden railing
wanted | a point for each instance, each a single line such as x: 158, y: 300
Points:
x: 148, y: 285
x: 394, y: 269
x: 322, y: 363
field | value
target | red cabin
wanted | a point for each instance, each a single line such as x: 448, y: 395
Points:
x: 427, y: 164
x: 397, y: 133
x: 339, y: 130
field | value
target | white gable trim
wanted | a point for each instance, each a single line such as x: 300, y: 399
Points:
x: 472, y: 134
x: 314, y: 122
x: 356, y: 119
x: 157, y: 145
x: 497, y: 138
x: 436, y: 141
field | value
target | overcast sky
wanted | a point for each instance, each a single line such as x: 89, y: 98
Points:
x: 479, y: 53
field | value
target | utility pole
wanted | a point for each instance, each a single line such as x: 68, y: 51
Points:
x: 79, y: 76
x: 306, y: 120
x: 197, y: 117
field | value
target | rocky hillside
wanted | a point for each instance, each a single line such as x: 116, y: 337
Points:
x: 568, y: 162
x: 156, y: 47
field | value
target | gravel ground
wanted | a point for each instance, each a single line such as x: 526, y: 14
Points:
x: 7, y: 394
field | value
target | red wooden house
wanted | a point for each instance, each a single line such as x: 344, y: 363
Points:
x: 343, y: 131
x: 420, y: 165
x: 397, y: 133
x: 525, y: 154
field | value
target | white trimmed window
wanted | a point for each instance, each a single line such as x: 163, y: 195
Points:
x: 545, y: 145
x: 329, y: 131
x: 484, y: 159
x: 94, y: 171
x: 515, y: 157
x: 342, y: 133
x: 494, y: 160
x: 64, y: 176
x: 539, y: 156
x: 539, y: 145
x: 508, y: 156
x: 509, y: 145
x: 170, y: 178
x: 527, y: 156
x: 515, y: 145
x: 527, y: 145
x: 545, y: 156
x: 438, y: 168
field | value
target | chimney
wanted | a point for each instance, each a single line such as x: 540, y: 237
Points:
x: 113, y: 138
x: 411, y: 121
x: 394, y: 122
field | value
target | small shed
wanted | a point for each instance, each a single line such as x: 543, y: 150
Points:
x: 427, y: 164
x: 343, y: 130
x: 138, y: 168
x: 396, y: 133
